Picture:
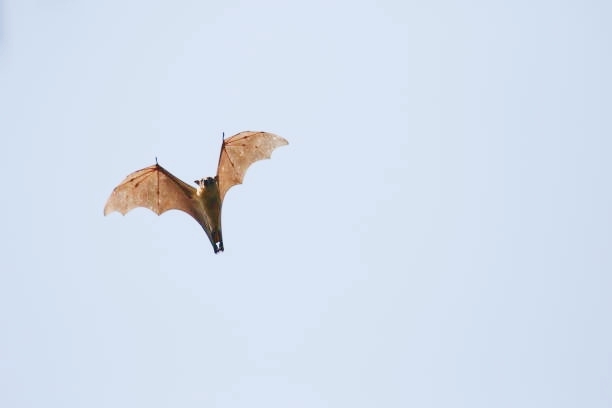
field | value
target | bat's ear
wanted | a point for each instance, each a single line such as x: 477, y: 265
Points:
x: 198, y: 182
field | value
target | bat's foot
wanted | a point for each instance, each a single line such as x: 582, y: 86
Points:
x: 219, y: 247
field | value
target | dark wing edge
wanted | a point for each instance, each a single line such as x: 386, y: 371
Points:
x: 239, y: 152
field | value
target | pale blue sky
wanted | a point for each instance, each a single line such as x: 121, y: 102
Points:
x: 438, y: 233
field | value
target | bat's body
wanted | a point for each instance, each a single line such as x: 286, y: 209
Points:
x: 210, y: 199
x: 157, y: 189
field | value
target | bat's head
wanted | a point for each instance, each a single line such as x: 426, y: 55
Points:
x: 205, y: 182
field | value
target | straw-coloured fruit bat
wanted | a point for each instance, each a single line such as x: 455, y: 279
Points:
x: 157, y: 189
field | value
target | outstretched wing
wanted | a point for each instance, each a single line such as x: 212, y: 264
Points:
x: 157, y: 189
x: 154, y: 188
x: 239, y: 152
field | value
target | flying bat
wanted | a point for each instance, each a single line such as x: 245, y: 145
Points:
x: 157, y: 189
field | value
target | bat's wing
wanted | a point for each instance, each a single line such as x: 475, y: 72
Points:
x: 157, y: 189
x: 154, y: 188
x: 239, y: 152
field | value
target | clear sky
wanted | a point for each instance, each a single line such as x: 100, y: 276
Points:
x: 438, y: 233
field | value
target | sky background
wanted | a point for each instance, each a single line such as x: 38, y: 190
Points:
x: 438, y: 232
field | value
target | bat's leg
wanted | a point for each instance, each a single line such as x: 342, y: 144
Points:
x: 218, y: 239
x: 220, y: 236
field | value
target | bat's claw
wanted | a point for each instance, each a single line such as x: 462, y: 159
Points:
x: 218, y: 247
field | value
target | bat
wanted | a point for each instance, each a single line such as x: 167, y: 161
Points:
x: 157, y: 189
